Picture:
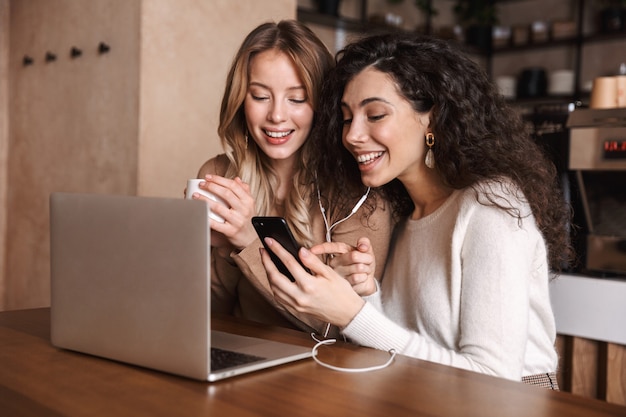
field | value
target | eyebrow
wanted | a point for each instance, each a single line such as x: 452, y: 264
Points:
x: 367, y: 101
x: 258, y: 84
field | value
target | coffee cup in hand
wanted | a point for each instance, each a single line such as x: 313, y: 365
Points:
x: 193, y: 186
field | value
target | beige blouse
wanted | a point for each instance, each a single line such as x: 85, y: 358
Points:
x: 239, y: 284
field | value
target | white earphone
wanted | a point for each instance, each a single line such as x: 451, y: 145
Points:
x: 323, y: 342
x: 354, y: 210
x: 361, y: 201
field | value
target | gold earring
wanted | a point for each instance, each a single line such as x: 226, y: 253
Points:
x: 430, y: 156
x: 246, y: 136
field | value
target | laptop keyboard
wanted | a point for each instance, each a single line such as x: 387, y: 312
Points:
x: 222, y: 359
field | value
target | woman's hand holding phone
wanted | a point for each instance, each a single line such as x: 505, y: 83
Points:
x: 322, y: 293
x: 277, y: 229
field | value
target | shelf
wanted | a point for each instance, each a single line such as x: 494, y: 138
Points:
x: 604, y: 37
x: 345, y: 23
x: 557, y: 43
x: 575, y: 42
x: 312, y: 16
x: 547, y: 99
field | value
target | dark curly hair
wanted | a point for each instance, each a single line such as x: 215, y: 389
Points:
x: 479, y: 136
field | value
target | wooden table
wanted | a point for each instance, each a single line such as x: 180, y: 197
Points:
x: 37, y: 379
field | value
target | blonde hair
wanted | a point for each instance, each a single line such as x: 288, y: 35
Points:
x: 312, y: 61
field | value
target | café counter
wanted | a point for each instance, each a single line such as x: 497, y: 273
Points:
x: 589, y: 313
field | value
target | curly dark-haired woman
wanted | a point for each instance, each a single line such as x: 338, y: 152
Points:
x: 484, y: 223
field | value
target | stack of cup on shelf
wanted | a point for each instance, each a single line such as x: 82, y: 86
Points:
x: 608, y: 92
x: 561, y: 82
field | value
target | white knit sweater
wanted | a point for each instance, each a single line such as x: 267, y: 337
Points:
x: 466, y: 286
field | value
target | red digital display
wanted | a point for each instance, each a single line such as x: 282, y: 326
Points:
x: 614, y: 149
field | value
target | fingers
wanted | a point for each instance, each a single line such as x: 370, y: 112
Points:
x: 231, y: 190
x: 315, y: 265
x: 288, y: 293
x: 361, y: 261
x: 234, y: 193
x: 279, y: 282
x: 361, y: 272
x: 326, y: 296
x: 350, y: 259
x: 236, y: 208
x: 363, y: 245
x: 357, y: 265
x: 333, y: 248
x: 339, y: 248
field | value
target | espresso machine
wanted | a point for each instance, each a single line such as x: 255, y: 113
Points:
x: 597, y: 164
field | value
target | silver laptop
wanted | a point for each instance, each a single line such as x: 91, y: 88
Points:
x: 130, y: 281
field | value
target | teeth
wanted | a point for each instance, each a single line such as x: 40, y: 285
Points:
x: 277, y: 134
x: 365, y: 158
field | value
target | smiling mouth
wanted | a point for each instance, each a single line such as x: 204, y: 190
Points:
x: 278, y: 135
x: 368, y: 158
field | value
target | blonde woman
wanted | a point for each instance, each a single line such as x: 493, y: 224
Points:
x: 267, y: 113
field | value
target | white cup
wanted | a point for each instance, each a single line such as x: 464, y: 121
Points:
x: 561, y: 82
x: 506, y: 86
x: 193, y: 187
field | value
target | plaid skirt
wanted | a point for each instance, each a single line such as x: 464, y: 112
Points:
x: 546, y: 380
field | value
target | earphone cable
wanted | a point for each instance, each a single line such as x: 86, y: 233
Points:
x: 326, y: 342
x: 354, y: 210
x: 329, y: 228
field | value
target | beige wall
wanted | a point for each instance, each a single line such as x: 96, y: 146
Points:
x: 72, y: 122
x: 4, y: 136
x: 137, y: 120
x: 187, y: 48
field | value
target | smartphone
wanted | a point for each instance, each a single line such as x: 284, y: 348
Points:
x: 278, y: 229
